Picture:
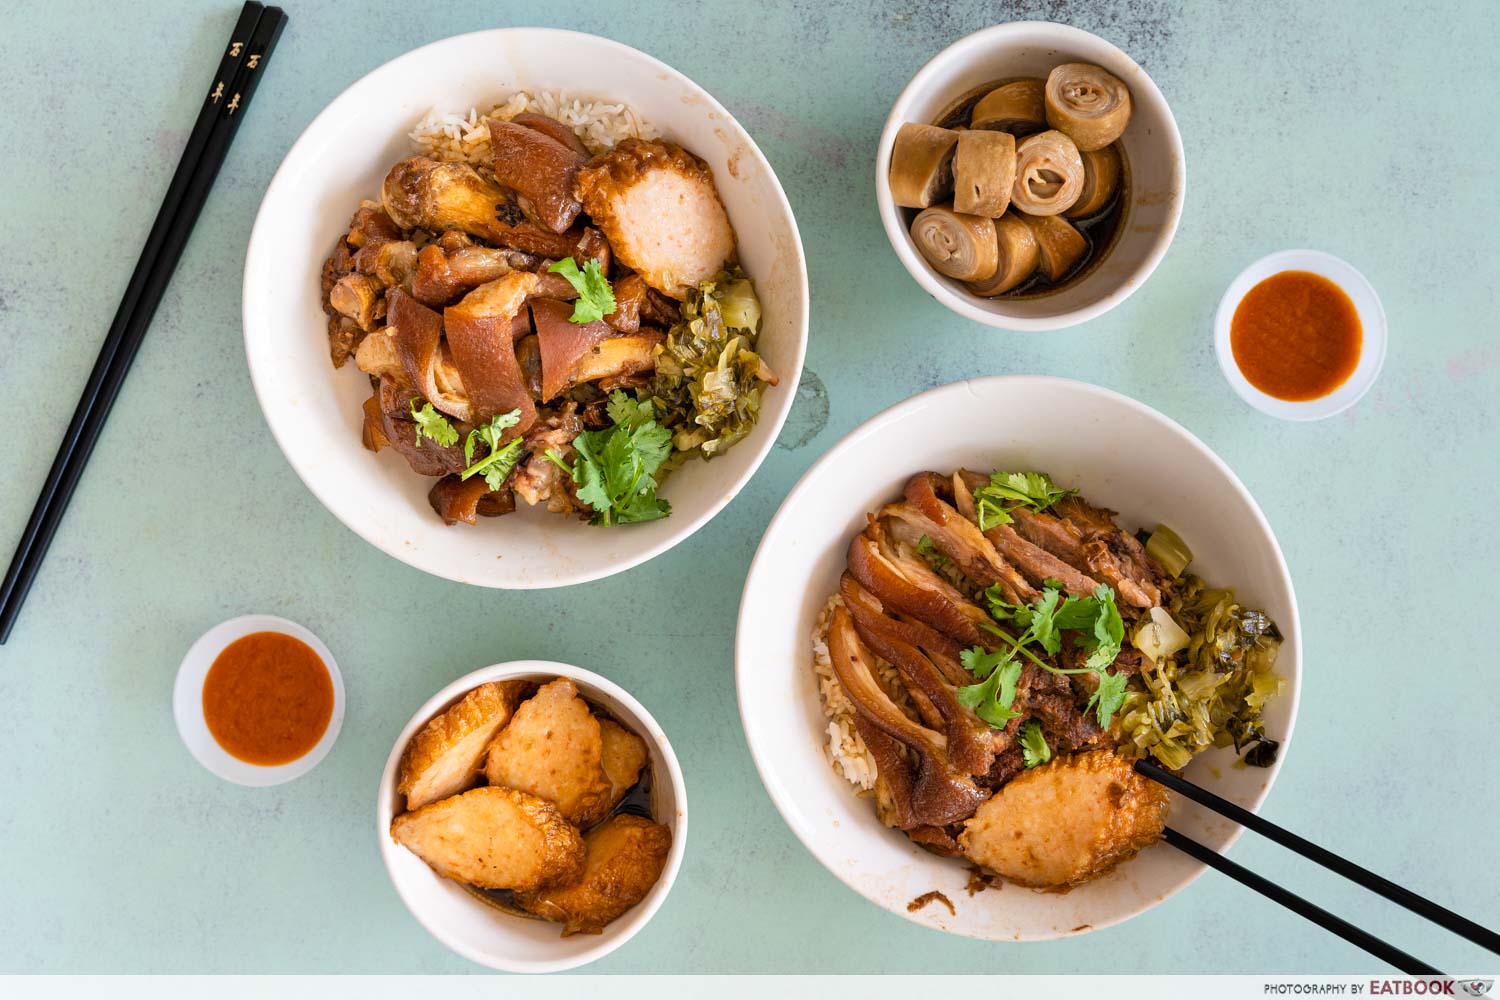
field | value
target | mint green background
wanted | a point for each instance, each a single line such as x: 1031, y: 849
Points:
x: 1364, y: 130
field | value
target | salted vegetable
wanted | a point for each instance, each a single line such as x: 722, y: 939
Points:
x: 1209, y: 693
x: 709, y: 378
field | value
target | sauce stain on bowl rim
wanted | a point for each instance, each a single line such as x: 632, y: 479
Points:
x: 1366, y: 305
x: 192, y: 724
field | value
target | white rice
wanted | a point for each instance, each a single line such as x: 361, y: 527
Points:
x: 845, y: 748
x: 456, y: 136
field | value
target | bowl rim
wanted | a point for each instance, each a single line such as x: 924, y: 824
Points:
x: 192, y: 726
x: 1367, y: 305
x: 631, y: 922
x: 966, y: 305
x: 875, y: 425
x: 253, y: 294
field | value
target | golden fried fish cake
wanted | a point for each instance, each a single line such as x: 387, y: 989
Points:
x: 495, y: 838
x: 1066, y: 822
x: 624, y: 857
x: 658, y: 206
x: 624, y: 754
x: 553, y: 748
x: 446, y: 756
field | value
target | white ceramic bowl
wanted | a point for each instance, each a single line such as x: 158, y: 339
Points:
x: 342, y: 157
x: 1153, y: 149
x: 1371, y: 321
x: 1122, y: 455
x: 482, y: 933
x: 187, y: 703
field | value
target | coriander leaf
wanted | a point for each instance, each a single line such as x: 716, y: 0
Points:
x: 596, y: 299
x: 1054, y: 583
x: 1077, y: 613
x: 615, y: 472
x: 1000, y: 712
x: 926, y: 549
x: 991, y: 699
x: 1034, y: 748
x: 1002, y: 610
x: 625, y: 410
x: 981, y: 662
x: 989, y: 511
x: 1043, y: 625
x: 1108, y: 631
x: 1108, y: 696
x: 1032, y: 489
x: 498, y: 465
x: 490, y: 434
x: 432, y: 424
x: 502, y: 458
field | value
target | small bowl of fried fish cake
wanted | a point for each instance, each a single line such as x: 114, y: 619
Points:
x: 532, y: 816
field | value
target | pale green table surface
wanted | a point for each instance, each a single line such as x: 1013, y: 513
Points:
x: 1364, y: 130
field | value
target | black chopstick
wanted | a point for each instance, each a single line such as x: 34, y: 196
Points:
x: 1337, y: 925
x: 240, y: 70
x: 1443, y: 917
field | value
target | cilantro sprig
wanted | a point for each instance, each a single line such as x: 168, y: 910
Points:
x: 992, y: 697
x: 502, y: 457
x: 1034, y: 748
x: 1008, y: 490
x: 615, y: 470
x: 596, y: 299
x: 433, y: 425
x: 1095, y: 625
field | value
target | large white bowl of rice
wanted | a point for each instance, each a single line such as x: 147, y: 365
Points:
x: 1120, y: 454
x: 434, y: 100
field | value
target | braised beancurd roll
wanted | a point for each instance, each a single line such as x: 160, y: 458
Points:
x: 960, y: 246
x: 1049, y: 174
x: 984, y: 170
x: 1101, y: 178
x: 1018, y: 255
x: 1059, y: 246
x: 922, y: 165
x: 1090, y: 104
x: 1018, y: 107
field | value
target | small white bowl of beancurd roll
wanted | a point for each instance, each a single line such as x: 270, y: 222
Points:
x: 532, y: 816
x: 1030, y: 176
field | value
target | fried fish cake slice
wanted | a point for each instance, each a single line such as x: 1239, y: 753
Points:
x: 624, y: 754
x: 553, y: 748
x: 446, y: 756
x: 495, y: 838
x: 1066, y: 822
x: 661, y: 212
x: 624, y: 857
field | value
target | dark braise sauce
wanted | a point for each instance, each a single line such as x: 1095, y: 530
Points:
x: 267, y: 699
x: 1296, y: 336
x: 637, y: 802
x: 1100, y: 230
